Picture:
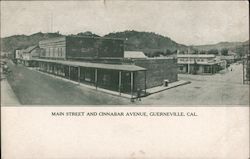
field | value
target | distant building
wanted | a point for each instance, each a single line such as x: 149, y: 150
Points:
x: 199, y: 64
x: 230, y: 58
x: 134, y: 55
x: 246, y: 69
x: 27, y: 56
x: 18, y: 54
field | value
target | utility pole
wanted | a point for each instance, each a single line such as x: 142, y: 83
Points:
x: 188, y: 60
x: 51, y: 22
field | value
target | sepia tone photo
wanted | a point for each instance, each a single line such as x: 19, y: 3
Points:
x: 126, y: 79
x: 124, y: 53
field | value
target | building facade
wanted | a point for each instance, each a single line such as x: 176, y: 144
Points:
x: 27, y: 56
x: 75, y: 47
x: 199, y: 64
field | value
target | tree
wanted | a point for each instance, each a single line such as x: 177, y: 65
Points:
x: 203, y: 52
x: 167, y: 53
x: 88, y: 33
x: 157, y: 54
x: 181, y: 52
x: 174, y: 52
x: 213, y: 51
x: 224, y: 52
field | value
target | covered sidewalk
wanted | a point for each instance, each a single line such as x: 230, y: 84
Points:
x: 114, y: 77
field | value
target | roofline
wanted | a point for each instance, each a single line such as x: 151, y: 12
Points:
x: 77, y: 36
x: 194, y: 55
x: 78, y: 63
x: 50, y: 39
x: 34, y: 47
x: 94, y: 37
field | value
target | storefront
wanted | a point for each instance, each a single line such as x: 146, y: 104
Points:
x: 116, y: 77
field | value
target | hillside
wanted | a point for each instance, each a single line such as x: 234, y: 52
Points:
x: 241, y: 48
x: 221, y: 45
x: 146, y: 41
x: 23, y: 41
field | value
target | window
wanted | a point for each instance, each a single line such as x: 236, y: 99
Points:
x: 56, y: 52
x: 51, y: 52
x: 60, y: 51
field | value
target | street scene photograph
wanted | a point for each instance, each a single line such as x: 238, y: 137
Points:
x: 125, y: 53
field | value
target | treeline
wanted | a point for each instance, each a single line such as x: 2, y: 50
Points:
x: 160, y: 53
x: 241, y: 51
x: 223, y: 48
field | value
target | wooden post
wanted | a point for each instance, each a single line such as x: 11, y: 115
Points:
x: 145, y: 72
x: 131, y: 83
x: 55, y: 72
x: 120, y: 81
x: 69, y: 72
x: 79, y: 74
x: 243, y: 65
x: 96, y: 78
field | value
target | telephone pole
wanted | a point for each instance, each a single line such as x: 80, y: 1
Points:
x: 51, y: 22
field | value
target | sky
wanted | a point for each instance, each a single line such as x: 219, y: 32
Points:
x: 186, y: 22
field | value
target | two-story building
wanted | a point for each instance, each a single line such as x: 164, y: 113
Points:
x: 199, y: 64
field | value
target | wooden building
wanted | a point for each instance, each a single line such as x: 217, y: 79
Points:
x: 199, y: 64
x: 78, y: 47
x: 27, y: 56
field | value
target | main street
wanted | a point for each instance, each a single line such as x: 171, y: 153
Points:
x: 34, y: 88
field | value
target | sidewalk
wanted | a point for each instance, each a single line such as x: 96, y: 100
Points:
x: 170, y: 85
x: 86, y: 86
x: 149, y: 91
x: 8, y: 97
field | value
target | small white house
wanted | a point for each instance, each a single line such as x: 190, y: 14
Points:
x: 134, y: 55
x: 18, y: 54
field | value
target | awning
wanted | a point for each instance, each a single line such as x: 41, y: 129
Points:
x: 120, y: 67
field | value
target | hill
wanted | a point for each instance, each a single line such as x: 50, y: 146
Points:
x: 220, y: 46
x: 147, y: 42
x: 241, y: 48
x: 11, y: 43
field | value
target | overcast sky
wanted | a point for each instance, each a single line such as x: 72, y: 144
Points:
x: 192, y: 22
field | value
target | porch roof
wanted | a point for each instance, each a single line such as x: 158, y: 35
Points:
x: 120, y: 67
